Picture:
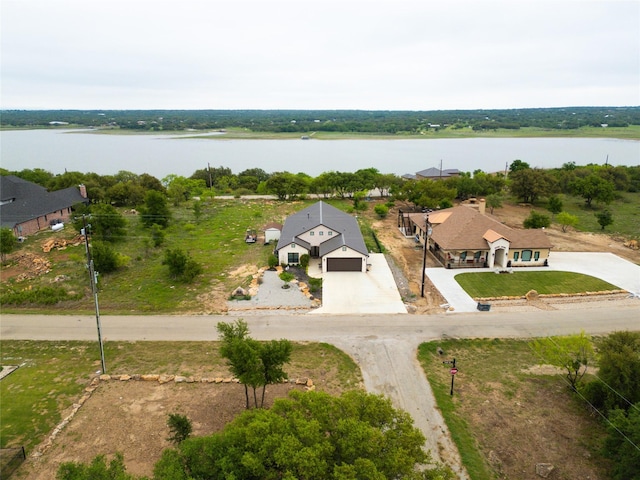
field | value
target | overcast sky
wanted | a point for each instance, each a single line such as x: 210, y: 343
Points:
x: 320, y: 54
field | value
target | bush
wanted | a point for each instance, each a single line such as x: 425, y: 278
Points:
x: 595, y: 393
x: 314, y: 284
x: 181, y: 266
x: 39, y: 296
x: 304, y: 260
x: 536, y: 220
x: 286, y: 277
x: 105, y: 258
x: 381, y: 210
x: 272, y: 261
x: 180, y: 428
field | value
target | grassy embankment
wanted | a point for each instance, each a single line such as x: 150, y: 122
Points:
x: 53, y: 375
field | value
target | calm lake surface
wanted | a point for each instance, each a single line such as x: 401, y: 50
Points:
x: 158, y: 155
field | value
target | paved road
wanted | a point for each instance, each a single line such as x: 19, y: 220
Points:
x: 384, y: 346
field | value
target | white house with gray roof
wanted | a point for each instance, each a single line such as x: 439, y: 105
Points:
x: 324, y: 233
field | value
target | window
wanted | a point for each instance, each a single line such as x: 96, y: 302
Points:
x: 526, y: 255
x: 320, y: 233
x: 476, y: 256
x: 463, y: 256
x: 536, y: 256
x: 516, y: 255
x: 329, y: 233
x: 293, y: 257
x: 293, y: 245
x: 312, y: 233
x: 344, y: 249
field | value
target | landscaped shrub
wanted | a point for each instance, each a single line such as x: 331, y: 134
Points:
x: 286, y: 277
x: 304, y: 260
x: 272, y: 262
x: 315, y: 284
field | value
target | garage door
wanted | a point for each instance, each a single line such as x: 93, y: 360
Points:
x: 344, y: 264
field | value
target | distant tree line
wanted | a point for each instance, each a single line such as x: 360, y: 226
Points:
x: 597, y: 184
x: 350, y: 121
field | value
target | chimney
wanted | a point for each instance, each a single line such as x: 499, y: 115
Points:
x: 482, y: 206
x: 83, y: 190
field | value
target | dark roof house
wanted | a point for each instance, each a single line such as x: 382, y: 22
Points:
x: 323, y: 231
x: 26, y: 207
x: 437, y: 174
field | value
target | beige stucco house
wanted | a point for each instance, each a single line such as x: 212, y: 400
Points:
x: 466, y: 237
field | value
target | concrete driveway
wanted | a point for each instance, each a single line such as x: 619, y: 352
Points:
x: 606, y: 266
x: 355, y: 292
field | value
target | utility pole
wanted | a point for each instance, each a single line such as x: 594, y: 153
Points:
x: 94, y: 289
x: 427, y: 233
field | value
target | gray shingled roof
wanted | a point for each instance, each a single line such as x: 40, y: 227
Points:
x: 23, y: 200
x: 435, y: 172
x: 322, y: 213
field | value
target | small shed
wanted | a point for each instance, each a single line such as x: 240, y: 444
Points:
x: 272, y: 232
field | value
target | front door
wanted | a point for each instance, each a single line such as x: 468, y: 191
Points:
x: 315, y: 252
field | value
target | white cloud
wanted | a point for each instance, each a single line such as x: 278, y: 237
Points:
x: 331, y: 54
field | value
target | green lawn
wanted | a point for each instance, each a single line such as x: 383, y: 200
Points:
x: 52, y: 375
x: 489, y: 284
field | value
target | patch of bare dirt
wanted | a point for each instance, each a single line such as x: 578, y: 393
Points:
x: 523, y: 428
x: 131, y: 418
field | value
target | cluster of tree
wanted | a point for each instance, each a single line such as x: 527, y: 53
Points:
x: 380, y: 122
x: 255, y: 364
x: 307, y: 436
x: 614, y: 391
x: 597, y: 184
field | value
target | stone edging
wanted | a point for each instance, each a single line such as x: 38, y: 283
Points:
x: 160, y: 379
x: 555, y: 295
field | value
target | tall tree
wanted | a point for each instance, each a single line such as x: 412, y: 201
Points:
x: 594, y: 187
x: 155, y: 210
x: 107, y: 223
x: 494, y: 201
x: 255, y: 364
x: 531, y: 183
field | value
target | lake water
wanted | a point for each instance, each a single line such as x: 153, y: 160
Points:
x: 158, y: 155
